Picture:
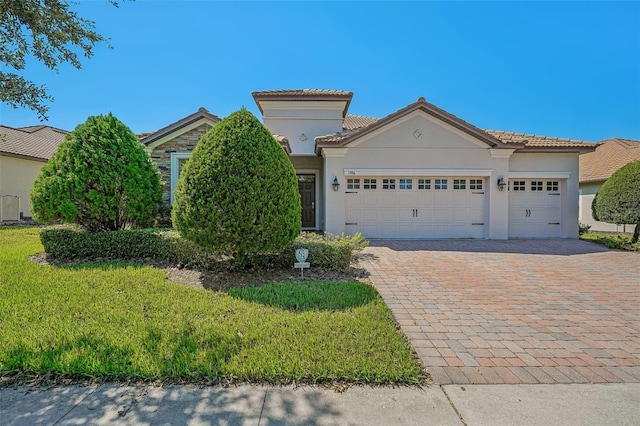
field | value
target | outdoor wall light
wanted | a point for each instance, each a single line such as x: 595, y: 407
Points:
x: 501, y: 183
x: 335, y: 184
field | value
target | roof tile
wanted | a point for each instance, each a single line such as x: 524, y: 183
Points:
x: 39, y: 142
x: 609, y: 156
x: 352, y: 122
x: 302, y: 92
x: 537, y: 141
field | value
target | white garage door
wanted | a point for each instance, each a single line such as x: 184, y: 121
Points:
x: 416, y: 207
x: 534, y: 208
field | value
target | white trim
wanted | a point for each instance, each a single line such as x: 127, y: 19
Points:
x: 316, y: 173
x: 180, y: 131
x: 418, y: 172
x: 334, y: 152
x: 501, y: 153
x: 539, y: 175
x: 175, y: 169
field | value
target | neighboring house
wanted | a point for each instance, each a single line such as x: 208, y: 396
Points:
x: 419, y: 172
x: 598, y: 166
x: 23, y: 152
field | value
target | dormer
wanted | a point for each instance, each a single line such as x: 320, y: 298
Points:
x: 302, y: 114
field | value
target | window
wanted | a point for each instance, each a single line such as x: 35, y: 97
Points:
x: 552, y: 185
x: 369, y: 184
x: 459, y: 184
x: 353, y: 183
x: 536, y: 185
x: 518, y: 185
x: 475, y: 183
x: 424, y: 183
x: 406, y: 183
x: 388, y: 184
x: 440, y: 184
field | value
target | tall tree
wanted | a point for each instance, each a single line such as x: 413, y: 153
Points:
x: 618, y: 200
x: 47, y: 31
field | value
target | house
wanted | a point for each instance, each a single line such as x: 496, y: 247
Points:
x: 598, y: 166
x: 419, y: 172
x: 23, y: 152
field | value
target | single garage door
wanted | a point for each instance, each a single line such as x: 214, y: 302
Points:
x: 416, y: 207
x: 534, y: 208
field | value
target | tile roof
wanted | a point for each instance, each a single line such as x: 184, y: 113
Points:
x: 37, y: 142
x: 536, y: 141
x: 609, y: 156
x: 303, y: 95
x: 148, y: 138
x: 343, y: 138
x: 352, y: 122
x: 301, y: 92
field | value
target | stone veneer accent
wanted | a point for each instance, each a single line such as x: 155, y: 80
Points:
x: 162, y: 155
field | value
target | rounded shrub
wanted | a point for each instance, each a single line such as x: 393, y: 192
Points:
x: 238, y: 193
x: 100, y: 178
x: 618, y: 199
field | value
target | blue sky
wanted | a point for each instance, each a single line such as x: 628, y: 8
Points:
x: 566, y: 69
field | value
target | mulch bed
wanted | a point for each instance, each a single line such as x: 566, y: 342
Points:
x: 224, y: 278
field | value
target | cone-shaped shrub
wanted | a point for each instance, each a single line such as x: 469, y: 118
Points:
x: 618, y: 199
x: 100, y: 177
x: 238, y: 193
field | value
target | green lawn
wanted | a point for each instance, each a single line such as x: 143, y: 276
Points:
x: 615, y: 241
x: 122, y: 322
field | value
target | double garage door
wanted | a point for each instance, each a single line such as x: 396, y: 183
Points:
x: 416, y: 207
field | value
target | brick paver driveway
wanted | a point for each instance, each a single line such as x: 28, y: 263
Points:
x: 518, y: 311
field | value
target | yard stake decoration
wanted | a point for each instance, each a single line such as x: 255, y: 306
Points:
x: 301, y: 255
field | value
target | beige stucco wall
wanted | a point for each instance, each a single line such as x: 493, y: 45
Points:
x: 309, y: 118
x: 439, y: 148
x: 587, y: 194
x: 17, y: 176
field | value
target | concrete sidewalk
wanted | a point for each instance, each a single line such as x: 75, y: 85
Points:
x: 559, y: 404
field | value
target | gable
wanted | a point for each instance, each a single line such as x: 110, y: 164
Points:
x: 154, y: 142
x: 418, y: 130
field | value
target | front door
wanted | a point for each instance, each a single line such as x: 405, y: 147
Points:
x: 307, y: 188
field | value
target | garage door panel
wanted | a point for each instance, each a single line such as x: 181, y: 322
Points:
x: 369, y: 199
x: 389, y: 215
x: 416, y: 212
x: 534, y: 212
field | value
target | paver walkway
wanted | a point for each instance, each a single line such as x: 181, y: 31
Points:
x: 517, y: 311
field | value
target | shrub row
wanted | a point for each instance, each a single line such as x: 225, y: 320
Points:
x: 68, y: 242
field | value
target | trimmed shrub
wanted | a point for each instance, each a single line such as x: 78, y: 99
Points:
x: 618, y: 200
x: 325, y: 251
x: 583, y: 228
x: 238, y: 193
x: 162, y: 245
x: 64, y: 242
x: 100, y: 178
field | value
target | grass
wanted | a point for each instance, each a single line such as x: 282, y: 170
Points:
x: 116, y: 321
x: 614, y: 241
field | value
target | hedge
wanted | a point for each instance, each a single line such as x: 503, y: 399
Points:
x: 68, y: 243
